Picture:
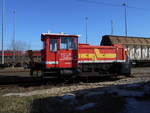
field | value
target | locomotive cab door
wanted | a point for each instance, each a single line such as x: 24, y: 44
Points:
x: 53, y: 52
x: 68, y: 52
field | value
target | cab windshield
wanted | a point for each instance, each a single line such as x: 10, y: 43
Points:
x: 68, y: 43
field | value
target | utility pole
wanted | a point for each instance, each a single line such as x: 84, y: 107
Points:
x: 112, y: 27
x: 125, y: 18
x: 2, y: 45
x: 14, y: 36
x: 86, y: 22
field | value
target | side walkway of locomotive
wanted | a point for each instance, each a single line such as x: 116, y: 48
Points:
x: 62, y: 55
x: 103, y: 60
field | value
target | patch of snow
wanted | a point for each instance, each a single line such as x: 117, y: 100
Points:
x: 58, y: 99
x: 111, y: 90
x: 69, y: 96
x: 16, y: 94
x: 86, y: 106
x: 94, y: 94
x: 134, y: 106
x: 132, y: 85
x: 124, y: 92
x: 83, y: 92
x: 74, y: 102
x: 147, y: 89
x: 127, y: 93
x: 31, y: 93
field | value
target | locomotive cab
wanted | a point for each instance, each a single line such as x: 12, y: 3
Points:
x: 60, y: 52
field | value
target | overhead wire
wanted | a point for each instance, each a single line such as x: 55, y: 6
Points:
x: 112, y: 5
x: 97, y: 2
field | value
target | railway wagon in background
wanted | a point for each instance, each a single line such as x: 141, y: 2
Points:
x: 19, y: 58
x: 138, y: 48
x: 62, y: 55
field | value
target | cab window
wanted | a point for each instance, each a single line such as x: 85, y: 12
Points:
x: 68, y: 43
x: 53, y: 44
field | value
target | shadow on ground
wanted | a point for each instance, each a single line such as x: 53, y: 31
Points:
x: 130, y: 98
x: 27, y: 81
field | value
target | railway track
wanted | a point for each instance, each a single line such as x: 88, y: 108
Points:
x: 14, y: 70
x: 20, y: 79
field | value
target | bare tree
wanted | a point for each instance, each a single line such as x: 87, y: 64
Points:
x: 19, y: 48
x: 19, y: 45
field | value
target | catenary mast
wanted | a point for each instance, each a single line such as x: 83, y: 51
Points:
x: 2, y: 44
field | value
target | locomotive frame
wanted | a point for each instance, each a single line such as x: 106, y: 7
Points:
x: 62, y: 55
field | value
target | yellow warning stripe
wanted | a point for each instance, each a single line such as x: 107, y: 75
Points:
x: 97, y: 54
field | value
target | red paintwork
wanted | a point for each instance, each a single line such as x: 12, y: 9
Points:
x: 60, y: 59
x: 70, y: 58
x: 101, y: 54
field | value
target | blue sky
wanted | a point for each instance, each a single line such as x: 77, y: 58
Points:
x: 34, y: 17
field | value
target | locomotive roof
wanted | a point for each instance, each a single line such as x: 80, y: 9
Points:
x: 59, y: 34
x: 129, y: 40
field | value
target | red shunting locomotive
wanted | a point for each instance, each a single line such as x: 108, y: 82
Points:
x: 63, y: 55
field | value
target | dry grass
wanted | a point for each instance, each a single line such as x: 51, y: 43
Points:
x: 14, y: 105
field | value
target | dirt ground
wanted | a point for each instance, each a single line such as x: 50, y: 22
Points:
x: 20, y: 93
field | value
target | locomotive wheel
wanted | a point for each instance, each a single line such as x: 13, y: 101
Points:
x: 67, y: 75
x: 125, y: 69
x: 67, y: 78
